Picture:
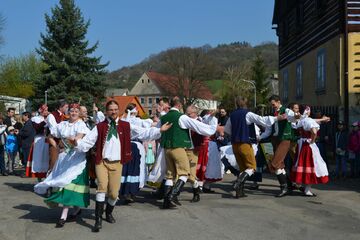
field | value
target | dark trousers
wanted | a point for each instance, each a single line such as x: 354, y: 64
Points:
x: 25, y: 152
x: 2, y: 160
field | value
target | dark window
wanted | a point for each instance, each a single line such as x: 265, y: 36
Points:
x: 148, y: 80
x: 142, y: 100
x: 321, y: 71
x: 299, y: 80
x: 285, y: 91
x: 157, y: 100
x: 142, y: 80
x: 150, y: 100
x: 150, y: 112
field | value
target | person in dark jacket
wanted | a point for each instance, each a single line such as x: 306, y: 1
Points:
x: 10, y: 119
x: 341, y: 143
x: 26, y: 134
x: 2, y: 146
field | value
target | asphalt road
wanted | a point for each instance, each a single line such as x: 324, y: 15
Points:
x: 333, y: 214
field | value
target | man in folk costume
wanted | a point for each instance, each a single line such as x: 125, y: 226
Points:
x: 175, y: 141
x: 38, y: 162
x: 282, y: 138
x: 113, y: 149
x: 241, y: 127
x: 53, y: 120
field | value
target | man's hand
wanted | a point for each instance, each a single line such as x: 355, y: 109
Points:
x: 221, y: 130
x: 165, y: 127
x: 326, y: 118
x: 72, y: 141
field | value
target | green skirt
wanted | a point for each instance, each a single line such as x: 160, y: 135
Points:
x: 76, y: 193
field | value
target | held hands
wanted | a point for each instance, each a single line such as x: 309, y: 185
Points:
x: 326, y: 119
x: 165, y: 127
x: 72, y: 141
x: 281, y: 117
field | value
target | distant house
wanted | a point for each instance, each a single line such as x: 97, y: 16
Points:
x: 20, y: 104
x: 152, y: 86
x: 111, y: 92
x: 123, y: 101
x: 319, y: 54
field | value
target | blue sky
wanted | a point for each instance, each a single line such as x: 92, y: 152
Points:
x: 130, y: 30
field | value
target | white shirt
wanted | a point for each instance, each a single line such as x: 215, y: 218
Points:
x: 143, y: 134
x: 251, y: 118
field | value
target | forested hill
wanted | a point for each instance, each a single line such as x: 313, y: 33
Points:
x: 223, y: 56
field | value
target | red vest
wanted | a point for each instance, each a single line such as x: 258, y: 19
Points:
x: 123, y: 129
x: 57, y: 116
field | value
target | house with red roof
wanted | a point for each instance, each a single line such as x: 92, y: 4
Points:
x: 153, y: 85
x: 123, y: 101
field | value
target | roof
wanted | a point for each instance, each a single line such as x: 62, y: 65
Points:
x: 116, y: 92
x: 168, y: 85
x: 281, y: 8
x: 123, y: 101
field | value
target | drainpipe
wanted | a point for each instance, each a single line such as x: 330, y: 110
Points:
x: 346, y: 65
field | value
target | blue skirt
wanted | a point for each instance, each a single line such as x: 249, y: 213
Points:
x: 130, y: 179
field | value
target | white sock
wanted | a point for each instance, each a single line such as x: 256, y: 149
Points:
x: 183, y: 178
x: 100, y: 197
x: 112, y: 202
x: 207, y: 185
x: 249, y: 171
x: 284, y: 171
x: 201, y: 183
x: 195, y: 184
x: 308, y: 190
x: 64, y: 213
x: 279, y: 171
x: 169, y: 182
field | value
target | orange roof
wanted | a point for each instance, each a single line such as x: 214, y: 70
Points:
x: 123, y: 101
x: 170, y: 86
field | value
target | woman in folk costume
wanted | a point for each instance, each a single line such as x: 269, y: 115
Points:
x: 38, y: 162
x: 309, y: 167
x: 133, y: 172
x: 69, y: 177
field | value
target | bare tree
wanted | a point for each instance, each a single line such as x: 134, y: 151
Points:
x: 190, y: 67
x: 234, y: 86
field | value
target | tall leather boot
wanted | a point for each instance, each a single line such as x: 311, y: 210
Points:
x: 99, y: 210
x: 175, y: 192
x: 285, y: 189
x: 160, y: 192
x: 108, y: 213
x: 239, y: 185
x: 167, y: 204
x: 196, y: 195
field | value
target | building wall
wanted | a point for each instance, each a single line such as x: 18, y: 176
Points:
x: 331, y: 94
x: 354, y: 76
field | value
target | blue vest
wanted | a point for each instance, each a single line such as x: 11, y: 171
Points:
x: 240, y: 131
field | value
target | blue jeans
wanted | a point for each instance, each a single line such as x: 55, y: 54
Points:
x: 2, y: 160
x: 26, y: 152
x: 340, y: 162
x: 11, y: 161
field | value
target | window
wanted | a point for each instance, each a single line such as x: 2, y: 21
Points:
x: 142, y: 80
x: 150, y: 111
x: 142, y: 100
x: 157, y: 100
x: 148, y: 80
x: 150, y: 100
x: 285, y: 85
x: 320, y: 71
x: 299, y: 80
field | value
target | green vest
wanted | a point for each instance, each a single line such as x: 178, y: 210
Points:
x: 286, y: 132
x: 175, y: 137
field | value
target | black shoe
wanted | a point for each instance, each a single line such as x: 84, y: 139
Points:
x: 5, y: 174
x: 60, y: 223
x: 73, y: 217
x: 159, y: 194
x: 207, y: 190
x: 108, y: 214
x: 285, y: 188
x: 253, y: 187
x: 48, y: 192
x: 99, y: 210
x: 196, y: 195
x: 167, y: 204
x: 175, y: 192
x: 239, y: 185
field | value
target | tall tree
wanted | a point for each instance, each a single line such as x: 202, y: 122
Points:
x: 259, y: 75
x: 72, y: 73
x: 190, y: 67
